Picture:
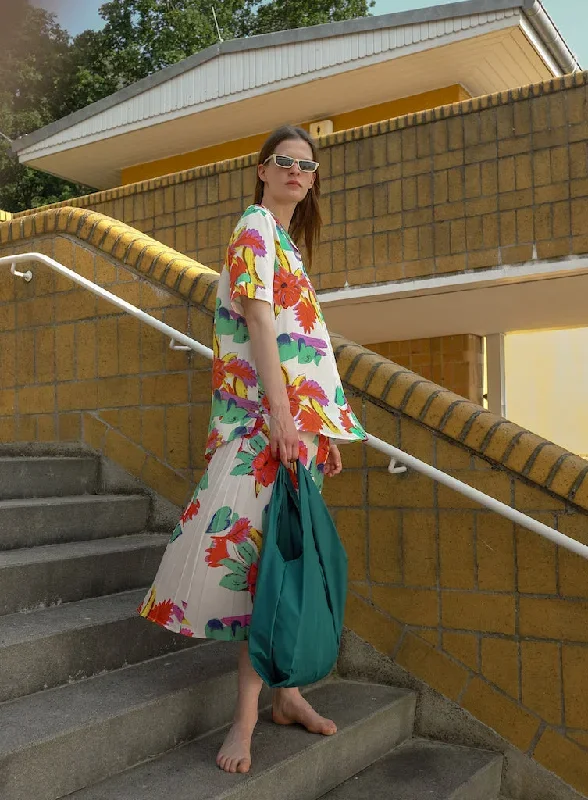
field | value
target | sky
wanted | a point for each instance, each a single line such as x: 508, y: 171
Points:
x: 570, y: 16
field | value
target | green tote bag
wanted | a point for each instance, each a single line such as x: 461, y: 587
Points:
x: 299, y: 603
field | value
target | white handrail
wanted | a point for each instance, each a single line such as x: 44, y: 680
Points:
x: 389, y: 450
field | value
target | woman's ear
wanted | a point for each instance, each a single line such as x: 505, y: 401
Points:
x: 261, y: 172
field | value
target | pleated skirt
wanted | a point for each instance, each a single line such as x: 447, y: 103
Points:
x: 205, y: 584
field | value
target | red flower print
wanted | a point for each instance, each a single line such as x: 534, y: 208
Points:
x: 252, y: 579
x: 306, y: 315
x: 217, y: 551
x: 323, y: 451
x: 286, y: 289
x: 161, y: 612
x: 240, y: 531
x: 265, y: 467
x: 219, y: 548
x: 218, y: 373
x: 309, y: 420
x: 249, y: 237
x: 243, y: 370
x: 191, y: 511
x: 303, y: 453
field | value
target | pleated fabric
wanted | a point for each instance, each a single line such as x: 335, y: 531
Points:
x: 205, y: 584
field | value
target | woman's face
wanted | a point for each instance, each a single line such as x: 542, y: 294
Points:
x: 288, y: 185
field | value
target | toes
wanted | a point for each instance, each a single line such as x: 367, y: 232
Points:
x: 244, y: 765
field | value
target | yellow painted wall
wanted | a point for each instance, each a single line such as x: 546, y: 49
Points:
x: 240, y: 147
x: 546, y: 378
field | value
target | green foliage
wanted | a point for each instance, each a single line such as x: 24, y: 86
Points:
x: 45, y: 75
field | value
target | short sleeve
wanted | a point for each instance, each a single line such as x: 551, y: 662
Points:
x: 251, y: 257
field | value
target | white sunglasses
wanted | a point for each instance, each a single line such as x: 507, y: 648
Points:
x: 304, y: 164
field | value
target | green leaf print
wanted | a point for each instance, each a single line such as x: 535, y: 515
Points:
x: 177, y: 532
x: 245, y: 467
x: 204, y: 482
x: 340, y: 396
x: 233, y: 582
x: 237, y: 567
x: 248, y: 553
x: 221, y: 520
x: 257, y: 444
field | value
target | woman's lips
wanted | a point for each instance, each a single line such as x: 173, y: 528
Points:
x: 294, y: 183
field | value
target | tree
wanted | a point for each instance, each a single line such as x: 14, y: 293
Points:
x: 44, y: 75
x: 34, y: 53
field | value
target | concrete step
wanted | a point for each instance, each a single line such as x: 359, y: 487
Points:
x: 423, y: 769
x: 288, y: 762
x: 46, y: 476
x: 52, y: 646
x: 49, y: 520
x: 35, y: 577
x: 60, y: 740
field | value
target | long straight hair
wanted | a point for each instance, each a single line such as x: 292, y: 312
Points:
x: 306, y: 222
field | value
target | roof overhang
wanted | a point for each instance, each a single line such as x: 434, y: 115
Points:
x: 535, y: 296
x: 486, y: 45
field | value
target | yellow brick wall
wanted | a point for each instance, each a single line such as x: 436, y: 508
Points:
x: 465, y: 186
x: 454, y: 362
x: 492, y: 616
x: 5, y: 215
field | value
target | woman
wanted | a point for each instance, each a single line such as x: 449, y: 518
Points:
x: 277, y: 397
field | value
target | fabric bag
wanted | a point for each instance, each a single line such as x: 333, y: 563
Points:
x: 299, y: 604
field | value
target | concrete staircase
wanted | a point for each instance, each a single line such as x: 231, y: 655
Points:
x: 99, y: 704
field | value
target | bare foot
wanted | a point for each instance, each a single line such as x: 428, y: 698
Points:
x: 235, y: 754
x: 290, y: 707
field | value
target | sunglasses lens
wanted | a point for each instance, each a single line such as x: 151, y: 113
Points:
x: 284, y: 161
x: 308, y: 166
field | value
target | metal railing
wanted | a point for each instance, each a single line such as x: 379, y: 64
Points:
x: 399, y: 460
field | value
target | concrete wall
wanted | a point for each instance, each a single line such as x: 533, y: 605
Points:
x: 493, y: 617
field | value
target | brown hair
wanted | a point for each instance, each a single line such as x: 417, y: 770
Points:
x: 306, y: 221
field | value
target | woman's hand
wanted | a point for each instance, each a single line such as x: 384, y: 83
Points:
x: 333, y: 464
x: 283, y: 436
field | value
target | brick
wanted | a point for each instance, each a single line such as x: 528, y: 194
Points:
x: 564, y: 757
x: 129, y: 422
x: 26, y: 429
x: 76, y: 305
x: 477, y: 611
x: 69, y: 427
x: 371, y: 624
x: 93, y: 431
x: 107, y: 341
x: 495, y: 553
x: 496, y: 484
x: 541, y: 680
x: 46, y: 429
x: 117, y: 392
x: 573, y: 574
x: 166, y: 482
x: 456, y: 550
x: 408, y: 490
x: 536, y: 561
x: 7, y: 429
x: 431, y: 666
x: 123, y: 452
x: 449, y: 456
x: 347, y: 490
x: 86, y: 350
x: 464, y: 647
x: 500, y: 664
x: 501, y: 713
x: 542, y: 618
x: 411, y: 606
x: 77, y: 396
x: 419, y: 547
x: 153, y: 430
x: 36, y: 400
x: 351, y: 526
x: 7, y: 402
x: 165, y: 389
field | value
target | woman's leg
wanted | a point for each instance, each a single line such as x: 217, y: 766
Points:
x: 235, y: 754
x: 289, y: 707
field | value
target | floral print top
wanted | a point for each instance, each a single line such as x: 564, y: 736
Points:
x: 263, y: 263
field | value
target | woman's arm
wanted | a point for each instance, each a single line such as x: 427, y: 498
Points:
x: 262, y: 331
